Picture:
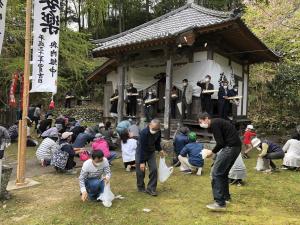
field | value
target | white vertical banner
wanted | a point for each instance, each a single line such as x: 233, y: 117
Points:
x: 2, y: 21
x: 45, y: 45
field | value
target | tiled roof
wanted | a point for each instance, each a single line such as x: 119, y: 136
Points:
x: 178, y: 21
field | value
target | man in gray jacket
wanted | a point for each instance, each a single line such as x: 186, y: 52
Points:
x: 187, y: 97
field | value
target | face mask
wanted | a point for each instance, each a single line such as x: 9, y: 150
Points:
x: 153, y: 131
x: 184, y: 84
x: 150, y: 93
x: 206, y: 79
x: 203, y: 125
x: 235, y: 90
x: 225, y: 87
x: 98, y: 164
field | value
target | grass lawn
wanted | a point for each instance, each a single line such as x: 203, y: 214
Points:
x: 266, y: 199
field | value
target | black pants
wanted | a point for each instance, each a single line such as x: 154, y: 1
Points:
x: 173, y: 108
x: 223, y: 108
x: 131, y: 108
x: 150, y: 160
x: 186, y: 107
x: 149, y: 112
x: 274, y: 155
x: 222, y: 165
x: 206, y: 104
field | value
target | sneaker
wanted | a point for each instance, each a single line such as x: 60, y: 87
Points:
x: 128, y: 168
x: 152, y: 193
x: 216, y: 207
x: 199, y: 171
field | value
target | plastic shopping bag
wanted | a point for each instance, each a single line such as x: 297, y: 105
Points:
x: 107, y: 196
x: 164, y: 171
x: 262, y: 164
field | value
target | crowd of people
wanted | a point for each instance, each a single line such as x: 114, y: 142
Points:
x: 64, y: 142
x: 202, y: 94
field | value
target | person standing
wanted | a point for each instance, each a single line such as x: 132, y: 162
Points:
x: 149, y: 107
x: 206, y: 101
x: 4, y: 141
x: 187, y: 97
x: 228, y: 147
x: 131, y: 100
x: 114, y: 105
x: 148, y: 143
x: 223, y: 102
x: 174, y: 98
x: 37, y: 115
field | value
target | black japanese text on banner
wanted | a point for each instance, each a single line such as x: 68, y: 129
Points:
x: 2, y: 21
x: 45, y: 45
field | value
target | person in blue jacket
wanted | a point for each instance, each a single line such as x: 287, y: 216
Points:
x: 191, y: 156
x: 180, y: 140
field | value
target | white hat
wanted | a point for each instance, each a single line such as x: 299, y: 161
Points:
x: 250, y: 127
x: 65, y: 135
x: 255, y: 142
x: 101, y: 125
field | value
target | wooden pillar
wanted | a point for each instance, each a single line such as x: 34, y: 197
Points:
x: 23, y: 135
x: 167, y: 114
x: 121, y: 86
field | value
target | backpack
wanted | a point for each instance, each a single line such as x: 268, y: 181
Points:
x: 60, y: 158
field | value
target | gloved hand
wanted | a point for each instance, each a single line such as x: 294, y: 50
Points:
x: 7, y: 145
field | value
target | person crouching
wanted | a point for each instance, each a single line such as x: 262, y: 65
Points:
x: 94, y: 174
x: 190, y: 156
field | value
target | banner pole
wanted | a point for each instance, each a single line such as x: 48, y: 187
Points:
x: 23, y: 136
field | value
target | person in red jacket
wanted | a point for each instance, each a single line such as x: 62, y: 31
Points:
x: 248, y: 135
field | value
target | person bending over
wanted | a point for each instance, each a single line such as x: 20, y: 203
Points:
x: 94, y: 174
x: 149, y: 143
x: 228, y: 147
x: 191, y: 156
x: 47, y: 148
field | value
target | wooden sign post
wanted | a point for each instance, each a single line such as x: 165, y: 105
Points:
x: 23, y: 135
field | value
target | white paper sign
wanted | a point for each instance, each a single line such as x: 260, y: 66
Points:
x: 2, y: 21
x: 45, y: 45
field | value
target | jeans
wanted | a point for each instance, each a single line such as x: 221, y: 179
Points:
x: 274, y: 155
x: 94, y: 187
x: 222, y: 165
x: 112, y: 156
x: 140, y: 175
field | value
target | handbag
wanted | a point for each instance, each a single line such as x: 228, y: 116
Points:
x: 83, y: 156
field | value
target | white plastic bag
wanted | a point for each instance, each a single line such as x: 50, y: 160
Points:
x: 107, y: 196
x: 262, y: 164
x: 164, y: 171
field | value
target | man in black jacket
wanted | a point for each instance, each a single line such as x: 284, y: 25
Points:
x: 228, y: 147
x: 148, y: 144
x: 206, y: 102
x: 223, y: 102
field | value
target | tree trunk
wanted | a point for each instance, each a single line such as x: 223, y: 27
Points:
x: 79, y: 15
x: 120, y: 16
x: 66, y: 13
